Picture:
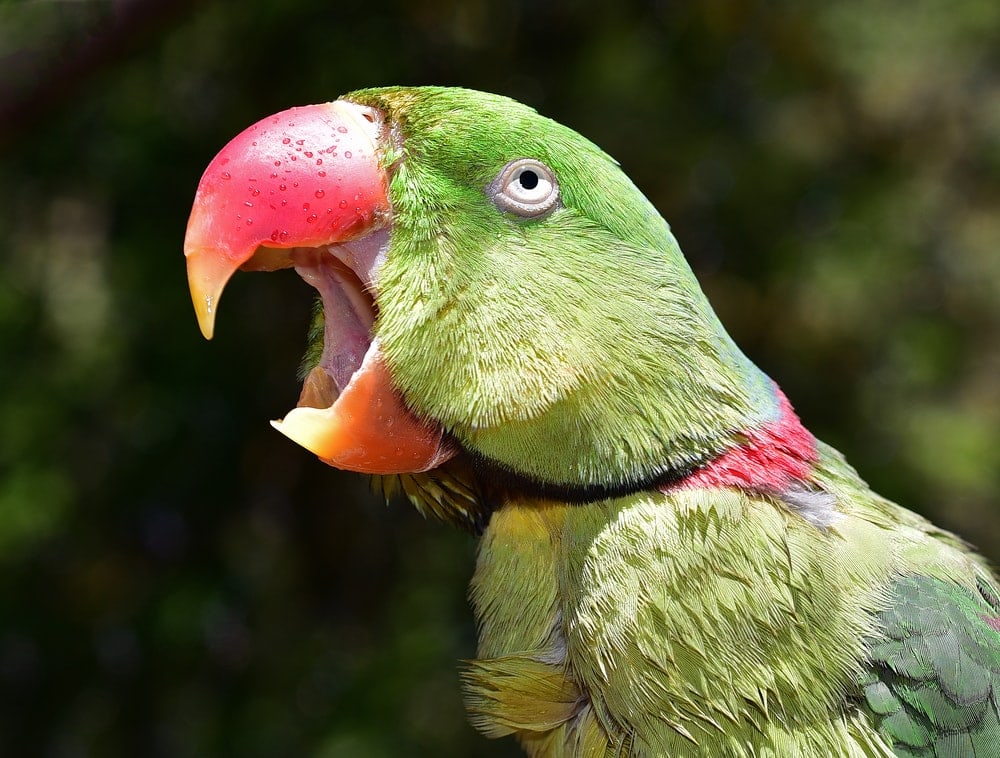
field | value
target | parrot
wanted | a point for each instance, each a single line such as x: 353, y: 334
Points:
x: 508, y: 335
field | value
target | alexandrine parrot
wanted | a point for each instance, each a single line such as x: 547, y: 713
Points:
x: 669, y: 564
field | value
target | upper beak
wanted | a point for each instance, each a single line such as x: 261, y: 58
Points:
x: 303, y: 177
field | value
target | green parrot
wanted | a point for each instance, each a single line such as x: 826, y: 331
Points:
x: 669, y: 563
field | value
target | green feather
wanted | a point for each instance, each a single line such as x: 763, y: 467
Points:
x: 935, y: 674
x: 576, y: 349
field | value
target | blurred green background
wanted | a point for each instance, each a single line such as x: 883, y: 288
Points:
x: 177, y: 579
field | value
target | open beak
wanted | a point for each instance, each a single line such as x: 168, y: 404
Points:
x: 305, y: 188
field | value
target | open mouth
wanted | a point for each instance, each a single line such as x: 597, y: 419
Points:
x: 256, y: 209
x: 344, y: 277
x: 349, y: 413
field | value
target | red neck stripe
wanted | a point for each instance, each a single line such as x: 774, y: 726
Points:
x: 771, y: 458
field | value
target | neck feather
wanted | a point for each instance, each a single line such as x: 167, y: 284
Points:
x: 774, y: 458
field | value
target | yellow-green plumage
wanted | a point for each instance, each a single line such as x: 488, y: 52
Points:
x: 698, y: 623
x: 575, y: 354
x: 702, y: 621
x: 670, y: 565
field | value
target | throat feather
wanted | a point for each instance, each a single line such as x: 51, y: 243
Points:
x: 776, y: 459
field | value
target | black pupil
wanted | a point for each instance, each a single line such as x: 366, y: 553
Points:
x: 528, y: 179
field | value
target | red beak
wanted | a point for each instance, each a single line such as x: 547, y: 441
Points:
x: 304, y: 177
x: 306, y: 188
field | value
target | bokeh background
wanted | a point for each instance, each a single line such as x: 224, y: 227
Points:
x: 176, y: 579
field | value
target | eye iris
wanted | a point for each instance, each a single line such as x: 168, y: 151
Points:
x: 528, y: 179
x: 525, y: 187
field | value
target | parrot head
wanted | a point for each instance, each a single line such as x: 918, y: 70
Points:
x: 493, y: 287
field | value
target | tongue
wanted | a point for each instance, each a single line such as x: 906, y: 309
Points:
x: 368, y: 428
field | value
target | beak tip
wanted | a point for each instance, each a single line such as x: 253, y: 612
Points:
x: 207, y: 277
x: 205, y: 314
x: 308, y: 427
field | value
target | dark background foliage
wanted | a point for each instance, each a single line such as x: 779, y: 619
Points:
x: 177, y: 579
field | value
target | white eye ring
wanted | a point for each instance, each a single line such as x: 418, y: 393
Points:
x: 525, y: 187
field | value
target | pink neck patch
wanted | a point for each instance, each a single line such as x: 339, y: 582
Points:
x: 772, y: 459
x: 993, y: 621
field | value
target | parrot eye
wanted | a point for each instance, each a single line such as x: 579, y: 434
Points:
x: 525, y: 187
